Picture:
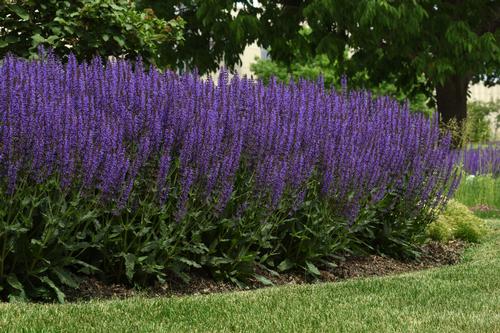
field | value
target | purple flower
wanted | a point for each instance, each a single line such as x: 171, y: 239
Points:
x: 117, y: 129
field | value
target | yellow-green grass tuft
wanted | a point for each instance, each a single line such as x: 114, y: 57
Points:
x: 457, y: 222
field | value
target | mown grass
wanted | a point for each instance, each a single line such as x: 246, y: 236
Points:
x: 480, y: 190
x: 460, y: 298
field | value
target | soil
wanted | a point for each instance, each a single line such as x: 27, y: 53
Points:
x: 483, y: 208
x: 434, y: 254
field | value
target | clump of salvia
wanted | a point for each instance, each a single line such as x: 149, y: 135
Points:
x: 132, y: 174
x: 482, y: 160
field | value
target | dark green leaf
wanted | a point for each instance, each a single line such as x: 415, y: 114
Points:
x: 14, y: 283
x: 262, y: 279
x: 286, y: 265
x: 37, y: 39
x: 129, y: 265
x: 59, y: 294
x: 20, y: 11
x: 119, y: 40
x: 189, y: 262
x: 65, y: 277
x: 311, y: 268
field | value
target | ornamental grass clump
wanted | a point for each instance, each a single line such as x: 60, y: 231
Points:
x: 131, y: 174
x: 457, y: 222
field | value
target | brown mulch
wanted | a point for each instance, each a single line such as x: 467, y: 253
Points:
x: 434, y: 254
x: 483, y: 208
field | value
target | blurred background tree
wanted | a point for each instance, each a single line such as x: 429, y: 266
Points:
x: 482, y: 118
x: 216, y: 31
x: 86, y: 28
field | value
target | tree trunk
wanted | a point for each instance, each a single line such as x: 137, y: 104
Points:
x: 452, y: 99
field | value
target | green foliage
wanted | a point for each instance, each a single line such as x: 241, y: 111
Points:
x: 469, y: 230
x: 51, y: 237
x: 41, y: 236
x: 457, y: 222
x: 419, y: 102
x: 390, y: 228
x: 430, y: 38
x: 264, y: 69
x: 214, y: 32
x: 85, y: 28
x: 319, y: 66
x: 478, y: 126
x: 441, y: 232
x: 456, y: 298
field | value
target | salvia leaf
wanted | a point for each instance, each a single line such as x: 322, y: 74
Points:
x: 59, y: 294
x: 65, y: 277
x: 286, y: 265
x: 129, y: 265
x: 311, y: 268
x: 262, y: 279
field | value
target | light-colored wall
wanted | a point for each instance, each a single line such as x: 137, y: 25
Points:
x: 248, y: 56
x: 479, y: 92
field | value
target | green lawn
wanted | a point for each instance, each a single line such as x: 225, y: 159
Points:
x: 461, y: 298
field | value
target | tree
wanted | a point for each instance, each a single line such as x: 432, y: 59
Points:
x: 216, y: 31
x: 84, y: 27
x: 479, y: 120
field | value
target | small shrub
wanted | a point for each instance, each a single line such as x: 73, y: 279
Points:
x: 457, y: 222
x: 440, y: 231
x: 469, y: 230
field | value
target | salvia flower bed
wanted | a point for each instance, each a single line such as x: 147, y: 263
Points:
x: 132, y: 174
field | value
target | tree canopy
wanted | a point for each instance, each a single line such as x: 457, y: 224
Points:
x: 216, y: 31
x: 84, y: 27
